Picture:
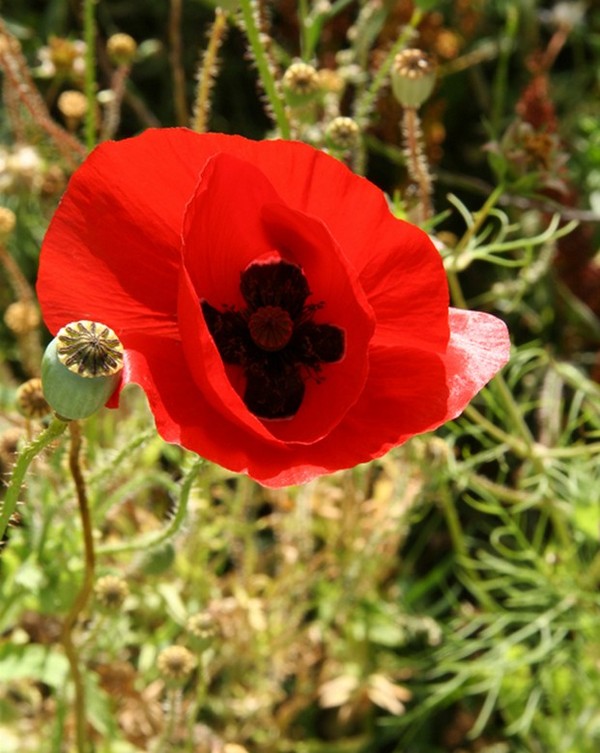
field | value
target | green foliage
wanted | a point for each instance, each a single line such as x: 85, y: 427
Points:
x: 443, y: 598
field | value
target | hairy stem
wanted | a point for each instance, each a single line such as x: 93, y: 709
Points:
x: 89, y: 35
x: 24, y: 460
x: 84, y: 592
x: 206, y: 74
x: 416, y: 162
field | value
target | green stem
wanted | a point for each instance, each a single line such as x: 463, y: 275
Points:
x: 27, y: 455
x: 153, y: 540
x: 501, y: 79
x: 264, y: 70
x: 89, y: 36
x: 367, y: 100
x: 479, y: 218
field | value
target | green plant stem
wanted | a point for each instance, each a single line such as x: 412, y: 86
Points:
x: 84, y: 592
x: 501, y: 78
x: 458, y: 298
x: 89, y: 36
x: 11, y: 498
x: 367, y: 100
x: 153, y: 540
x: 264, y: 70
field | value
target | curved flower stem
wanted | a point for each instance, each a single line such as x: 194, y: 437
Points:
x: 84, y: 592
x: 27, y: 455
x: 264, y: 69
x: 152, y: 540
x: 89, y: 36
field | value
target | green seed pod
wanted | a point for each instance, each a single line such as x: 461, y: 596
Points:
x: 81, y: 369
x: 413, y: 77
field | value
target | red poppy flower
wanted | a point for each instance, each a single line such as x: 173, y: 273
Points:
x: 280, y: 320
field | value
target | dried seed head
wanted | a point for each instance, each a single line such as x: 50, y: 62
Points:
x: 72, y: 104
x: 342, y: 133
x: 22, y: 317
x: 9, y: 446
x: 176, y: 663
x: 63, y: 53
x: 30, y: 399
x: 413, y: 77
x: 8, y: 221
x: 89, y: 349
x: 111, y: 591
x: 121, y: 48
x: 54, y: 181
x: 202, y: 625
x: 300, y: 83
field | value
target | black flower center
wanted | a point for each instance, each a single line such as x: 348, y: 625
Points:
x: 274, y: 339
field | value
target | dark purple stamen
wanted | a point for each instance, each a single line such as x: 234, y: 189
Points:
x: 274, y: 339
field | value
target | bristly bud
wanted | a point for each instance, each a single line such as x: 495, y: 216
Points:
x: 81, y: 368
x: 22, y: 317
x: 300, y: 84
x: 111, y: 591
x: 413, y: 77
x: 342, y: 133
x: 73, y: 105
x: 176, y: 663
x: 202, y: 626
x: 121, y: 49
x: 30, y: 399
x: 8, y: 221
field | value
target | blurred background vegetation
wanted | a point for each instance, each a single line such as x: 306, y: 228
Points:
x: 444, y: 598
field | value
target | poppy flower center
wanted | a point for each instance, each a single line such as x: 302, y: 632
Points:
x: 271, y: 327
x: 275, y: 339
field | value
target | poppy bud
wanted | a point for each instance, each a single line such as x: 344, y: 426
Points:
x: 8, y: 221
x: 81, y: 369
x: 121, y: 48
x: 413, y: 77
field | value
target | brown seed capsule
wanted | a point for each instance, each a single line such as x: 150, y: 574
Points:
x: 111, y: 591
x: 30, y: 399
x: 72, y: 104
x: 22, y: 317
x: 8, y: 221
x: 413, y: 77
x: 202, y: 625
x: 176, y: 663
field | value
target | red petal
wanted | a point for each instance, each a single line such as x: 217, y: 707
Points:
x: 479, y: 347
x: 233, y: 219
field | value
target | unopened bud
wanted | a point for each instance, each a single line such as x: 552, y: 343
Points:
x: 121, y: 48
x: 8, y: 221
x: 22, y: 317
